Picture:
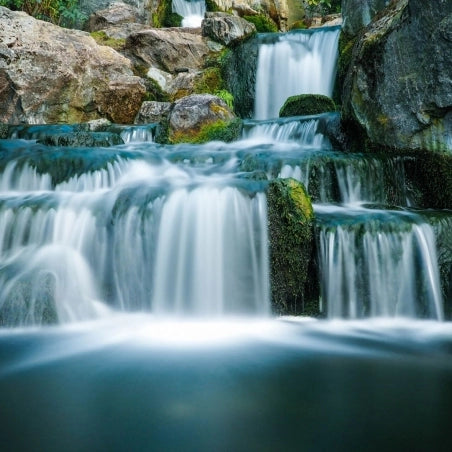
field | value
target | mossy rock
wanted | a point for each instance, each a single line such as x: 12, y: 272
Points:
x: 263, y: 24
x: 307, y: 104
x: 298, y: 25
x: 291, y: 237
x: 104, y: 40
x: 226, y: 131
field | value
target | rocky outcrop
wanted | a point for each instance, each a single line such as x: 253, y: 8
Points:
x: 170, y: 50
x: 49, y: 75
x: 307, y: 104
x: 116, y: 14
x: 359, y: 13
x: 226, y: 29
x: 398, y: 88
x: 276, y: 9
x: 198, y: 118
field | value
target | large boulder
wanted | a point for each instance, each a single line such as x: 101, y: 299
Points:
x: 116, y: 14
x: 398, y: 88
x: 199, y: 118
x: 49, y: 74
x: 359, y: 13
x: 171, y: 50
x: 226, y: 28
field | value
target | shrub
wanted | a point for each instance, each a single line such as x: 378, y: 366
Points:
x: 264, y: 24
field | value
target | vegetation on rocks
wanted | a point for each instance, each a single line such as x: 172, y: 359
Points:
x: 220, y: 130
x: 263, y: 23
x: 307, y: 104
x: 290, y: 226
x: 104, y: 40
x: 65, y: 13
x: 164, y: 16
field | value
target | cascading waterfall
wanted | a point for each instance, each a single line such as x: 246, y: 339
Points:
x: 301, y: 62
x: 191, y: 11
x: 124, y: 236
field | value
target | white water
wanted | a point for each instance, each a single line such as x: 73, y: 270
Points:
x: 106, y: 239
x: 379, y: 267
x: 191, y: 11
x: 297, y: 63
x: 304, y: 132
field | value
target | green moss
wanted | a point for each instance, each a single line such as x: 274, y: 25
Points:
x: 290, y: 218
x: 264, y: 24
x: 226, y: 131
x: 298, y: 25
x: 210, y: 81
x: 164, y: 16
x: 212, y: 6
x: 307, y: 104
x: 101, y: 38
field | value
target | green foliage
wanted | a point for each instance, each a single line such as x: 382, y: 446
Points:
x: 307, y: 104
x: 164, y: 17
x: 264, y: 24
x: 210, y: 81
x: 325, y: 6
x: 65, y: 13
x: 212, y: 6
x: 227, y: 97
x: 102, y: 39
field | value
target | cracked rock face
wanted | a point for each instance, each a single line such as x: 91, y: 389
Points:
x: 49, y: 74
x: 399, y: 83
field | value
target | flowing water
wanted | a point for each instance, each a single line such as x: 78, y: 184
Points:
x: 135, y: 302
x: 191, y: 11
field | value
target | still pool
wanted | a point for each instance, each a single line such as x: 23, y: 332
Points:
x: 133, y: 382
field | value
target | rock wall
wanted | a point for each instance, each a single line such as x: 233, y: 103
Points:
x: 398, y: 88
x: 359, y: 13
x: 49, y: 75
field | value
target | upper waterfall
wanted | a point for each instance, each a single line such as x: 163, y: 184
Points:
x: 191, y: 11
x: 300, y: 62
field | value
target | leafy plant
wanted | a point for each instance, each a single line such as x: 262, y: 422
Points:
x: 65, y: 13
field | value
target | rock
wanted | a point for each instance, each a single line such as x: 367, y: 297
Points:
x: 194, y: 117
x: 240, y: 76
x: 50, y: 74
x: 291, y: 242
x: 226, y: 28
x: 359, y: 13
x: 278, y: 10
x: 83, y: 139
x: 168, y: 49
x: 143, y: 9
x: 152, y: 111
x: 307, y: 104
x: 398, y: 88
x: 115, y: 14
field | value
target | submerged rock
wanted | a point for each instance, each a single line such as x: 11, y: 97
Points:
x: 226, y: 28
x: 83, y: 139
x: 398, y: 88
x: 201, y: 117
x: 49, y: 74
x: 307, y: 104
x: 291, y: 237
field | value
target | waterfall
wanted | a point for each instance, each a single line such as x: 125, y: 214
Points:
x: 191, y: 11
x: 301, y: 62
x: 131, y: 235
x: 377, y: 264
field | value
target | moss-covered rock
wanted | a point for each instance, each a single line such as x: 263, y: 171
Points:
x: 307, y: 104
x: 200, y: 118
x: 263, y: 23
x: 290, y: 218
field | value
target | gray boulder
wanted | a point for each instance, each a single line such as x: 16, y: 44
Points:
x: 116, y: 14
x: 226, y: 29
x: 152, y: 111
x: 170, y: 50
x: 398, y: 87
x: 192, y: 115
x: 49, y: 74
